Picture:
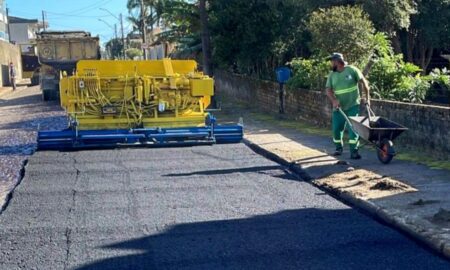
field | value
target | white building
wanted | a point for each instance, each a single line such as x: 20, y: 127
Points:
x: 3, y: 21
x: 23, y: 32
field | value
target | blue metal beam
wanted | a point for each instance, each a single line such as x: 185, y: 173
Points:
x: 72, y: 139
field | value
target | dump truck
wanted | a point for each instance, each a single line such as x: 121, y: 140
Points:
x: 58, y: 52
x: 130, y: 103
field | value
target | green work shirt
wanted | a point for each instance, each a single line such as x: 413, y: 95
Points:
x: 345, y: 86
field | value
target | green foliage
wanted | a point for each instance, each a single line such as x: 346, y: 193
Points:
x: 432, y: 22
x: 257, y: 36
x: 440, y: 77
x: 132, y: 53
x: 390, y: 15
x: 114, y: 47
x: 440, y: 84
x: 135, y: 44
x: 345, y: 29
x: 309, y: 73
x: 392, y: 78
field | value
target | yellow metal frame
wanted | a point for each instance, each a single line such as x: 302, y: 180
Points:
x: 107, y: 94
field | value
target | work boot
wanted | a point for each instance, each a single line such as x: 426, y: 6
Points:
x: 338, y: 151
x: 355, y: 155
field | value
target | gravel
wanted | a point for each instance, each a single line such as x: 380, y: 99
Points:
x: 22, y: 113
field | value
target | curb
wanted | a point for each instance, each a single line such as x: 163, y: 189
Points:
x: 397, y: 222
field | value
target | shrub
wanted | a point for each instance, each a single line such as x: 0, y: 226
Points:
x: 440, y: 77
x: 440, y: 85
x: 133, y: 53
x: 309, y: 73
x: 344, y: 29
x: 392, y: 78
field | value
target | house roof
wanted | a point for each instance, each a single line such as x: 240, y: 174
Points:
x: 12, y: 19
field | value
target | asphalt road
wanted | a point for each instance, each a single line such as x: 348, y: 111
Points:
x: 219, y: 207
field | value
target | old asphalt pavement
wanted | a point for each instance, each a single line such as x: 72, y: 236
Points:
x: 218, y: 207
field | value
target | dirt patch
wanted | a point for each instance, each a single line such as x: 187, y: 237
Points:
x: 364, y: 184
x: 388, y: 185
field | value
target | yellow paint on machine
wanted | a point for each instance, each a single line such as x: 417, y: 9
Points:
x: 108, y: 94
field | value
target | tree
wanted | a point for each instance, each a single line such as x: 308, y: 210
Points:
x: 188, y: 25
x: 181, y: 22
x: 344, y: 29
x: 153, y: 9
x: 430, y: 30
x: 206, y: 39
x: 114, y: 47
x: 391, y: 16
x: 132, y: 53
x: 256, y: 36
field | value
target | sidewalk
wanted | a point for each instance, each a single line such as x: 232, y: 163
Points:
x: 411, y: 197
x: 22, y: 84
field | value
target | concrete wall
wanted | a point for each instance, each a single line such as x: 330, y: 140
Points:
x: 9, y: 53
x: 3, y: 21
x: 22, y: 34
x: 429, y: 126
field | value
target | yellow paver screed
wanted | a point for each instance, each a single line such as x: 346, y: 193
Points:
x: 360, y: 183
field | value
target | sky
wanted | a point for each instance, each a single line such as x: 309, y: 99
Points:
x: 75, y: 15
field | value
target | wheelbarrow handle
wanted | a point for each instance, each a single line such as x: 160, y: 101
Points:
x: 346, y: 119
x: 370, y: 112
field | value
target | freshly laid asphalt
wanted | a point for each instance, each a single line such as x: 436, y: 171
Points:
x: 206, y: 207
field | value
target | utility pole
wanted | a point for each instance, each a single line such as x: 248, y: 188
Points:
x: 43, y: 20
x: 144, y: 29
x: 7, y: 21
x: 123, y: 38
x: 120, y: 19
x: 115, y: 31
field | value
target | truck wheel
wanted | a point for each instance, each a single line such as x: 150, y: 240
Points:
x: 46, y: 95
x: 34, y: 81
x: 386, y: 151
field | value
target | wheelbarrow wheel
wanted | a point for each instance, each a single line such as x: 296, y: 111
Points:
x: 386, y: 151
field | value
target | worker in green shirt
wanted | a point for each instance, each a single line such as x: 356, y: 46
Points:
x: 343, y: 85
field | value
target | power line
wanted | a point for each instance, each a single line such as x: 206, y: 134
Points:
x: 92, y: 6
x: 61, y: 15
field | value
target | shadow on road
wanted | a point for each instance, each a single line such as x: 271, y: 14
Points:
x: 296, y: 239
x: 22, y: 100
x: 21, y: 149
x: 255, y: 169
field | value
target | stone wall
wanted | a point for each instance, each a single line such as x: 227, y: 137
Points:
x: 429, y: 126
x: 9, y: 53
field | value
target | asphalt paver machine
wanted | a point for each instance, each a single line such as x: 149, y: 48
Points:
x: 111, y: 103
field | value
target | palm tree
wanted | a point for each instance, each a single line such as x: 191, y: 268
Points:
x: 187, y: 23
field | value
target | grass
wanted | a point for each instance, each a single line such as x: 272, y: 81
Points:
x: 424, y: 159
x: 292, y: 124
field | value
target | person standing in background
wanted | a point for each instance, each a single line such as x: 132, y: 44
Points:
x: 12, y: 75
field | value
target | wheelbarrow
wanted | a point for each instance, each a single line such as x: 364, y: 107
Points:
x: 377, y: 131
